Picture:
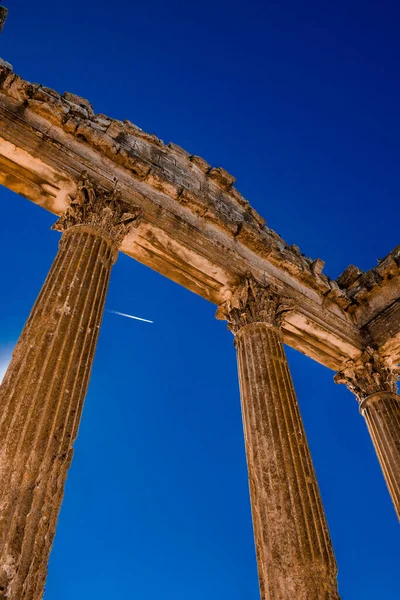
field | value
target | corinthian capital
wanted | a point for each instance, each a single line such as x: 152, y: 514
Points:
x: 100, y: 209
x: 252, y: 302
x: 368, y: 375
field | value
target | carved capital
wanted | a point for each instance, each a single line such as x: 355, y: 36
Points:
x: 368, y: 375
x: 252, y: 302
x: 100, y: 209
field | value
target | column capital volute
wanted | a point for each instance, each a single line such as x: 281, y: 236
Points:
x: 252, y: 302
x: 99, y: 210
x: 370, y: 375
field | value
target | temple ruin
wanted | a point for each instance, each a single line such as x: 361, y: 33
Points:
x: 114, y: 188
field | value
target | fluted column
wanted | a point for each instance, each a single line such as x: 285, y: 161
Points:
x: 42, y: 394
x: 293, y: 546
x: 374, y: 383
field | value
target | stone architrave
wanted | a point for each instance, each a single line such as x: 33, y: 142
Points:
x: 42, y: 394
x: 294, y: 551
x: 374, y: 383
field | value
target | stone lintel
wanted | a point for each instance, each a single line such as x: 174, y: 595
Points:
x: 193, y: 229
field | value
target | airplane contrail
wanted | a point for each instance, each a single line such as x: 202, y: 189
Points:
x: 121, y: 314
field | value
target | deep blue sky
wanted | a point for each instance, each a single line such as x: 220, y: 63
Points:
x: 300, y: 101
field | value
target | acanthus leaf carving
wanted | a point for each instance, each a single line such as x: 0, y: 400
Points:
x: 252, y: 302
x: 368, y: 375
x: 100, y: 209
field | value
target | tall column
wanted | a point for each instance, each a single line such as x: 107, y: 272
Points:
x: 374, y: 383
x: 293, y: 546
x: 42, y: 394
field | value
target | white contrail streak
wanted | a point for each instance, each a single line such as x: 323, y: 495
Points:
x: 115, y: 312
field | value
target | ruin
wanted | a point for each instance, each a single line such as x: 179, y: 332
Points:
x: 116, y: 188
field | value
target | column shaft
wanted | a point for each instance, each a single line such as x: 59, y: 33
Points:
x: 41, y: 401
x: 373, y: 380
x: 294, y: 550
x: 382, y: 415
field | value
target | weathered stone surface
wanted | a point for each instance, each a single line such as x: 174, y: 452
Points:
x: 368, y: 375
x: 6, y: 65
x: 200, y: 163
x: 198, y: 230
x: 293, y: 546
x: 349, y: 276
x: 253, y: 303
x: 100, y: 210
x: 382, y: 415
x: 224, y: 179
x: 216, y: 234
x: 317, y: 266
x: 369, y: 290
x: 178, y: 150
x: 43, y: 390
x: 373, y: 381
x: 85, y: 126
x: 81, y: 102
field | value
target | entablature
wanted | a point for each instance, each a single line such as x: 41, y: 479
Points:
x: 195, y: 228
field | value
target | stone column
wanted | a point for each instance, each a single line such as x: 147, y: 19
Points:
x: 42, y: 394
x: 374, y: 383
x: 293, y: 546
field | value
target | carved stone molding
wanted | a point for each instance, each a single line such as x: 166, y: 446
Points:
x: 100, y: 209
x: 252, y: 302
x: 368, y: 375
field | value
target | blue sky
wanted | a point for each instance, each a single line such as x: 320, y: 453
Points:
x: 300, y: 102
